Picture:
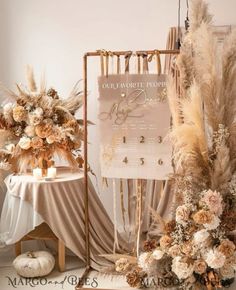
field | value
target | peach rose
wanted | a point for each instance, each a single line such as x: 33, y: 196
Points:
x: 203, y: 217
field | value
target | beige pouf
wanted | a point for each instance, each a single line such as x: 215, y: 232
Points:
x: 34, y: 264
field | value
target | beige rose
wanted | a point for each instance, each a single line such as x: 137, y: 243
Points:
x: 30, y: 131
x: 182, y: 214
x: 19, y: 114
x: 174, y: 251
x: 200, y: 266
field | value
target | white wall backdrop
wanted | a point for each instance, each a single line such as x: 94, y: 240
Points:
x: 52, y: 35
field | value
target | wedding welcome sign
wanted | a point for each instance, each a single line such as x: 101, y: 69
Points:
x: 134, y: 119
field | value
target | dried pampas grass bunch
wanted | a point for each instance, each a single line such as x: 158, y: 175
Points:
x: 37, y: 124
x: 197, y: 247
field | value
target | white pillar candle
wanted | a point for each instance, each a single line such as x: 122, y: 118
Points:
x: 38, y: 173
x: 52, y: 172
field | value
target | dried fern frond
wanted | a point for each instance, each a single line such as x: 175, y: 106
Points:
x: 30, y: 79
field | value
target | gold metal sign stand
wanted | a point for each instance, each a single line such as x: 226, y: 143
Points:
x: 85, y: 118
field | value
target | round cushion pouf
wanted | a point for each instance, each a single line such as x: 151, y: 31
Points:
x: 34, y: 264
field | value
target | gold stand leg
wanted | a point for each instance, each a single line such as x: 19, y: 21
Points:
x: 61, y: 256
x: 18, y: 248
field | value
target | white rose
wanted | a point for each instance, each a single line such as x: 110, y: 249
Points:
x: 24, y: 143
x: 158, y: 254
x: 182, y: 269
x: 200, y: 236
x: 30, y: 131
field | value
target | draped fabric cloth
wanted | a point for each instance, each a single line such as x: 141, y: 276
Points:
x: 61, y: 205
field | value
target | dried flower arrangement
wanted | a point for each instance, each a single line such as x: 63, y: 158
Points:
x: 197, y: 247
x: 38, y: 125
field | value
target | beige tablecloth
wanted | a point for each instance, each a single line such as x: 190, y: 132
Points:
x: 60, y: 204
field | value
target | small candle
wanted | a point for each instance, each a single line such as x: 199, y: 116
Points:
x: 52, y: 172
x: 38, y: 173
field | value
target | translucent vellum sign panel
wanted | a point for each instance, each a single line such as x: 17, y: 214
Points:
x: 134, y: 119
